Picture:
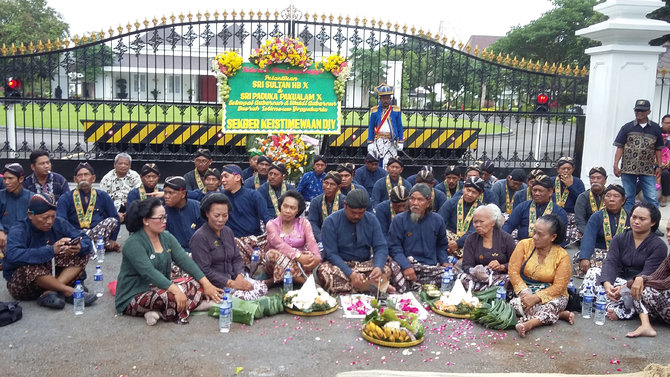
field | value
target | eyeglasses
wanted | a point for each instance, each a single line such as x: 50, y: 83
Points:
x: 162, y: 219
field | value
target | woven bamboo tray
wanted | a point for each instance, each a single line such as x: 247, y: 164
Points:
x: 392, y: 344
x: 311, y: 314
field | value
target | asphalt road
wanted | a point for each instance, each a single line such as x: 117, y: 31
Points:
x: 101, y: 343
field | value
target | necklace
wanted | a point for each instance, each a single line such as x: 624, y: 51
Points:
x: 607, y: 228
x: 532, y: 216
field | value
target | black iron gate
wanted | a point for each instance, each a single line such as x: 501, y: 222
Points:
x: 147, y: 89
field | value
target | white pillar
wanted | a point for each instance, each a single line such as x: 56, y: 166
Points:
x: 622, y: 70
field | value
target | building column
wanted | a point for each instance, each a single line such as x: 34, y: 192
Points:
x: 622, y: 70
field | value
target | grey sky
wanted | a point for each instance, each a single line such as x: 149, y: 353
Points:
x: 459, y: 19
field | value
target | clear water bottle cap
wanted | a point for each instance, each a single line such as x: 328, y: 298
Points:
x: 97, y: 267
x: 224, y: 298
x: 288, y: 270
x: 502, y: 284
x: 77, y: 282
x: 227, y: 290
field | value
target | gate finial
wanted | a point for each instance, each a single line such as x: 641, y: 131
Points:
x: 291, y: 13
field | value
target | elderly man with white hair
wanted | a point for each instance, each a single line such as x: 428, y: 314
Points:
x: 486, y: 251
x: 418, y: 242
x: 119, y: 181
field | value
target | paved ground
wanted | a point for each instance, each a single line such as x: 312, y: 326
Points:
x: 100, y: 343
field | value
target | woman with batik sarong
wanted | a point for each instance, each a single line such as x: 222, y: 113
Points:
x: 487, y: 251
x: 214, y: 251
x: 602, y: 226
x: 144, y: 287
x: 651, y: 294
x: 291, y: 242
x: 539, y: 271
x: 635, y: 252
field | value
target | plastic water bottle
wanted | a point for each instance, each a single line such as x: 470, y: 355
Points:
x: 587, y: 303
x: 571, y: 287
x: 78, y: 298
x: 501, y: 292
x: 224, y: 315
x: 452, y: 259
x: 601, y: 309
x: 228, y: 295
x: 288, y: 281
x: 100, y: 249
x: 255, y: 256
x: 447, y: 280
x: 99, y: 285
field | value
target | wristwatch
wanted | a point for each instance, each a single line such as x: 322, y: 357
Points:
x: 298, y: 255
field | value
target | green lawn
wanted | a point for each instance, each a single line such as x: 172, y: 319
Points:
x: 69, y: 118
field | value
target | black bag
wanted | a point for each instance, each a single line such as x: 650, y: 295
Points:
x: 574, y: 302
x: 10, y: 312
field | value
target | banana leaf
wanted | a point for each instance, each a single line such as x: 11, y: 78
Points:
x: 243, y: 311
x: 486, y: 295
x: 428, y: 300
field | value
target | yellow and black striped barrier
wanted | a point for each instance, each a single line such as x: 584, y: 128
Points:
x: 442, y: 138
x: 124, y: 132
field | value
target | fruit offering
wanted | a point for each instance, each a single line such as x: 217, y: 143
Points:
x: 391, y: 332
x: 393, y: 326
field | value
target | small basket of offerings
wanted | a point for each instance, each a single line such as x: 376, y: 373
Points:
x: 458, y: 303
x: 393, y: 328
x: 309, y: 300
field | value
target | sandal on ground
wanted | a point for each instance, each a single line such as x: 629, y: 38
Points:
x: 89, y: 298
x: 51, y: 300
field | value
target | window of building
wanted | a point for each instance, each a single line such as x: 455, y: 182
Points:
x: 173, y: 84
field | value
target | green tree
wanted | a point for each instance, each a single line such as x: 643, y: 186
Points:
x: 91, y: 59
x: 662, y: 14
x: 368, y: 71
x: 29, y: 20
x: 552, y: 36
